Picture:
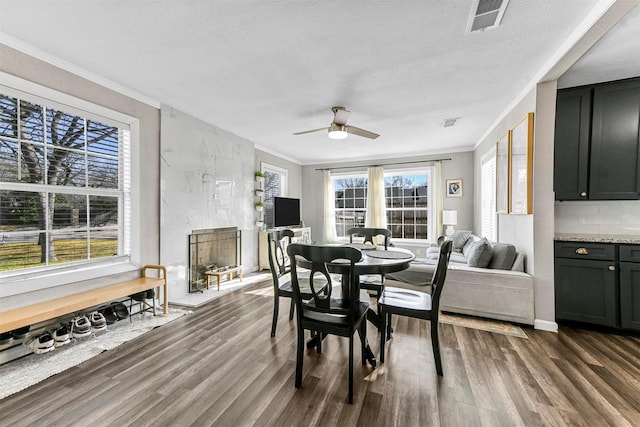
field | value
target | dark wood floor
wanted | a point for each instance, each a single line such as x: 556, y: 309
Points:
x: 219, y: 366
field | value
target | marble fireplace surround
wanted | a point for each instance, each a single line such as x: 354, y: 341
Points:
x: 206, y: 182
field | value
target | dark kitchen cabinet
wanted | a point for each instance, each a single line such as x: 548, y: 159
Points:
x: 572, y: 137
x: 585, y: 283
x: 630, y: 287
x: 597, y: 142
x: 598, y: 283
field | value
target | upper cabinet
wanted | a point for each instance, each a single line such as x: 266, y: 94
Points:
x: 597, y: 142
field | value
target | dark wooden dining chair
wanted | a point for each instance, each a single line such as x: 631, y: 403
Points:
x: 371, y: 282
x: 280, y: 268
x: 324, y: 314
x: 416, y: 304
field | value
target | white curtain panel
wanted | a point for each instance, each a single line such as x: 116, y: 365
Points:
x: 329, y: 229
x: 376, y: 207
x: 437, y: 198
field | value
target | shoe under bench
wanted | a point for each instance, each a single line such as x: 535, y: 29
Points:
x: 47, y: 310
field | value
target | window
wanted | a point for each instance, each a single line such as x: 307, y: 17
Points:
x: 65, y: 185
x: 488, y: 196
x: 407, y: 197
x: 275, y: 185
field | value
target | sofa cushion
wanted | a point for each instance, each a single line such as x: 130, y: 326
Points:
x: 479, y: 254
x: 503, y: 256
x: 459, y: 238
x: 457, y: 258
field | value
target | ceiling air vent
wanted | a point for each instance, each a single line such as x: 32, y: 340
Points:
x: 486, y: 14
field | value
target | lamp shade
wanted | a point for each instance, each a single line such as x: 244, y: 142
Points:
x: 450, y: 217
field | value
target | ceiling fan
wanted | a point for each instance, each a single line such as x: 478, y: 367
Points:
x: 338, y: 129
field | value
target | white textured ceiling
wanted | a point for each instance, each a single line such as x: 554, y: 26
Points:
x: 266, y: 69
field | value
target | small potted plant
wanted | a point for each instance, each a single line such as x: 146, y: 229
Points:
x: 259, y: 176
x: 259, y: 206
x: 259, y: 192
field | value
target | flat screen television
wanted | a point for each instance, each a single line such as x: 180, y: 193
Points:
x: 286, y: 212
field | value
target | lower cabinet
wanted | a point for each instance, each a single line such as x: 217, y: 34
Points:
x: 598, y: 283
x: 585, y: 288
x: 630, y: 287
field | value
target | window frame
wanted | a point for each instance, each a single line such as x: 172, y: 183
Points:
x: 16, y: 282
x: 428, y: 171
x: 284, y: 189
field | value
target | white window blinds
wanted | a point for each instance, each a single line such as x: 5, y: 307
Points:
x: 488, y: 197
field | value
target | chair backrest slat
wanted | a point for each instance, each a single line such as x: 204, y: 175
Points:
x: 318, y: 259
x: 369, y: 233
x: 278, y: 259
x: 440, y: 274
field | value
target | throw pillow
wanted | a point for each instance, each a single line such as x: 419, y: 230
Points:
x: 480, y: 254
x: 503, y: 256
x: 459, y: 238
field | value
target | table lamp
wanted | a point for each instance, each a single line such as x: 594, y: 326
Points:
x: 449, y: 218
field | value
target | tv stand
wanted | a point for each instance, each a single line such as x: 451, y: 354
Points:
x: 300, y: 235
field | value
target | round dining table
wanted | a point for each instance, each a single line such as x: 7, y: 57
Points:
x: 375, y: 260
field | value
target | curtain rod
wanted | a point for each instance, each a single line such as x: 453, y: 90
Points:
x: 384, y: 164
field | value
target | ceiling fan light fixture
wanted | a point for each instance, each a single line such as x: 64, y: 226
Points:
x: 338, y: 131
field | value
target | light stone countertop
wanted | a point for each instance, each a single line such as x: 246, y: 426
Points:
x: 598, y: 238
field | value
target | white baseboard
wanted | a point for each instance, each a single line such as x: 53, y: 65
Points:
x: 545, y: 325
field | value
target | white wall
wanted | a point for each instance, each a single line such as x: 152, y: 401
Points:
x: 207, y: 181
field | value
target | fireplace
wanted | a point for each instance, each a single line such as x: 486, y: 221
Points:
x: 212, y: 249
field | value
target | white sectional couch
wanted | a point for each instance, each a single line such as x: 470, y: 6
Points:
x: 484, y: 279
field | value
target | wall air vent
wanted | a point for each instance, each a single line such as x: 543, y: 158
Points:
x: 486, y: 14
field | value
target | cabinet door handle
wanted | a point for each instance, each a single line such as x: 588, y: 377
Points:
x: 583, y: 194
x: 582, y: 251
x: 612, y: 268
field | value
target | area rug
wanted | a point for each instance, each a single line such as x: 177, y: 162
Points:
x: 29, y: 370
x: 496, y: 326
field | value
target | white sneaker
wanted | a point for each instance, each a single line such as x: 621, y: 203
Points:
x: 80, y: 327
x: 61, y: 336
x: 42, y: 344
x: 98, y: 322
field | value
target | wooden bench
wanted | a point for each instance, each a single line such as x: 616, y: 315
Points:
x: 40, y: 312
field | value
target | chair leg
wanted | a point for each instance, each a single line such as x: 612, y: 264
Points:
x: 383, y: 333
x: 436, y: 346
x: 276, y: 309
x: 351, y: 369
x: 291, y: 309
x: 388, y: 326
x: 299, y: 356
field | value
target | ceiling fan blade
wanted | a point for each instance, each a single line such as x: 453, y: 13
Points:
x: 361, y: 132
x: 310, y: 131
x: 340, y: 115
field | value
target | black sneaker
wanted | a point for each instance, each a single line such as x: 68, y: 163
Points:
x: 98, y: 321
x: 6, y: 338
x: 61, y: 336
x: 42, y: 344
x: 80, y: 327
x: 20, y: 333
x: 110, y: 315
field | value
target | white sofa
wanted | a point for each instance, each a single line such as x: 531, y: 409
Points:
x: 497, y: 287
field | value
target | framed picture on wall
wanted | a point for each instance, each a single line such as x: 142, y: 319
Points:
x: 454, y: 188
x: 521, y: 167
x: 502, y: 174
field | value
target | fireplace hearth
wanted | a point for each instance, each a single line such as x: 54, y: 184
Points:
x: 212, y: 249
